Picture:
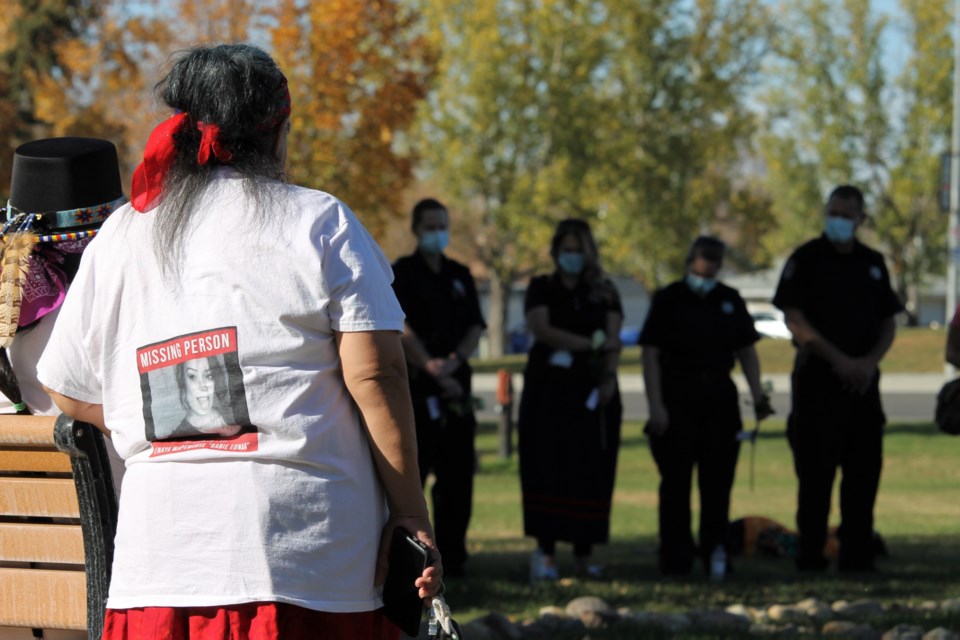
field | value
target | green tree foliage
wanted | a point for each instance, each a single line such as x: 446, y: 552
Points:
x: 825, y: 106
x: 625, y: 113
x: 908, y: 218
x: 678, y: 131
x: 510, y: 129
x: 835, y: 117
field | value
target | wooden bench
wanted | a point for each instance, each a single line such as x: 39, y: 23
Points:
x: 58, y: 514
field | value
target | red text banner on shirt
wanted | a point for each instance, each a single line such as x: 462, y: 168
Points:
x: 241, y: 443
x: 185, y: 348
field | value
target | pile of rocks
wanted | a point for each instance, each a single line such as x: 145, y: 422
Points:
x: 811, y: 617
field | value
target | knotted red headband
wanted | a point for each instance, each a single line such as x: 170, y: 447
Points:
x: 210, y: 143
x: 158, y: 157
x: 160, y: 152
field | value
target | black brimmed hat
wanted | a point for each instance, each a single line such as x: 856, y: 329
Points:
x: 74, y: 181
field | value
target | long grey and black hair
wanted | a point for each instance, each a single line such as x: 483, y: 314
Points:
x: 235, y: 87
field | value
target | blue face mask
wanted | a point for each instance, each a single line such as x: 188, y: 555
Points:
x: 839, y: 229
x: 699, y: 284
x: 570, y: 262
x: 434, y: 241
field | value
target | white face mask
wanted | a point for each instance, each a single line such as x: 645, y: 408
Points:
x: 839, y: 229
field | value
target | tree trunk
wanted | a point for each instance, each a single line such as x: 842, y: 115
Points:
x: 912, y: 304
x: 499, y: 304
x: 906, y: 293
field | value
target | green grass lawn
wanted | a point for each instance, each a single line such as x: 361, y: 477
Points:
x: 918, y: 514
x: 915, y: 350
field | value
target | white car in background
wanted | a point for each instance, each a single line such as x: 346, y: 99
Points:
x: 770, y: 324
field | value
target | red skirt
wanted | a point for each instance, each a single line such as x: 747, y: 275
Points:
x: 250, y: 621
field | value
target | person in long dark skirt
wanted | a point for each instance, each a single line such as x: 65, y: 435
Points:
x: 570, y: 410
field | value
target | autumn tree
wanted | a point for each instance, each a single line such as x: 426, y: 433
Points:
x: 357, y: 69
x: 107, y: 92
x: 35, y: 39
x: 78, y: 67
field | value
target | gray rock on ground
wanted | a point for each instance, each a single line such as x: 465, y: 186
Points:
x: 816, y: 609
x: 589, y: 604
x: 851, y: 630
x: 719, y: 620
x: 672, y: 622
x: 841, y: 619
x: 951, y: 604
x: 857, y: 609
x: 904, y: 632
x: 592, y: 611
x: 477, y: 630
x: 786, y: 613
x: 750, y: 613
x: 766, y: 629
x: 502, y: 626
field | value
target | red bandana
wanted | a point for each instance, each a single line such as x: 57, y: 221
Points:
x: 210, y: 143
x: 160, y: 152
x: 158, y: 157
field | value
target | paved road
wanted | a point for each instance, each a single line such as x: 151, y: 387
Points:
x: 906, y: 397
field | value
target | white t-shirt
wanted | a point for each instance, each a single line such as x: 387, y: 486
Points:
x: 24, y: 353
x: 249, y: 477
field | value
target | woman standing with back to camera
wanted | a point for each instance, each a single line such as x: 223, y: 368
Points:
x: 275, y: 531
x: 569, y: 422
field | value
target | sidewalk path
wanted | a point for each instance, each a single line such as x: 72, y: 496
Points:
x: 633, y: 382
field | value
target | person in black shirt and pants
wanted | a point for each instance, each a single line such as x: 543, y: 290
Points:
x: 835, y: 293
x: 694, y: 331
x: 442, y: 328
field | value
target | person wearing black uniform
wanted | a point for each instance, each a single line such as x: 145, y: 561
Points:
x: 442, y: 328
x: 835, y: 293
x: 694, y: 331
x: 570, y: 410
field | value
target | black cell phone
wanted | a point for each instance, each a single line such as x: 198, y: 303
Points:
x: 401, y: 598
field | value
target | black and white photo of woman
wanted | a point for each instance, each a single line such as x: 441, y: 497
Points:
x: 203, y: 395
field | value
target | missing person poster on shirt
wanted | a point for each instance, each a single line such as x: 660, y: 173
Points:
x: 193, y: 394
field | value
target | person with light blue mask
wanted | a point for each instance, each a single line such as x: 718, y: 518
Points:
x: 838, y: 303
x: 696, y: 330
x: 570, y: 409
x: 442, y: 327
